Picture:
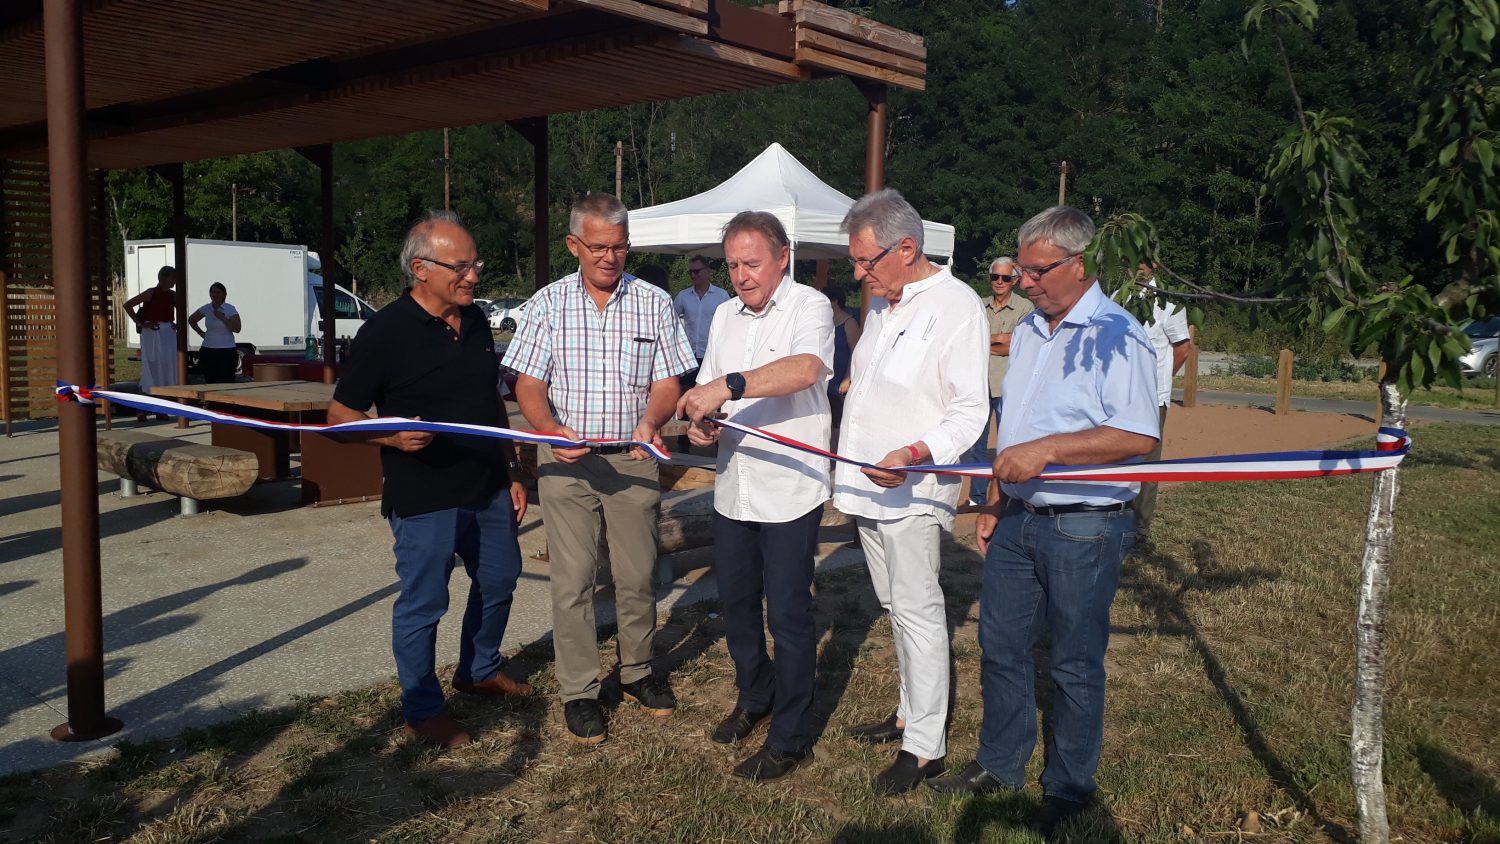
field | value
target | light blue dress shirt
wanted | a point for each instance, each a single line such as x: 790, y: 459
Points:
x: 1096, y: 370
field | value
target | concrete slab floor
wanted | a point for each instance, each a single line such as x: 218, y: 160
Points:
x: 252, y: 603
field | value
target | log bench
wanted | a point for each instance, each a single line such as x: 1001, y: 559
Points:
x: 191, y: 471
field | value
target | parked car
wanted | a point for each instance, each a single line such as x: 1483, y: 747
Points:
x: 484, y: 304
x: 507, y: 314
x: 1484, y: 338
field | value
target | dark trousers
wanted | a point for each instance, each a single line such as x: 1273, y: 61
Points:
x: 1145, y: 502
x: 1057, y: 573
x: 755, y: 560
x: 426, y: 548
x: 218, y: 365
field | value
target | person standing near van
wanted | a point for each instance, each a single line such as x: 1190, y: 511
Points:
x: 220, y: 322
x: 154, y: 312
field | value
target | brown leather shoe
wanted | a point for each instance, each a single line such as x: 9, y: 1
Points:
x: 497, y: 686
x: 439, y: 731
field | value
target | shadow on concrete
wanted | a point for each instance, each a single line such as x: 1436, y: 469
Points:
x: 47, y: 498
x: 16, y: 586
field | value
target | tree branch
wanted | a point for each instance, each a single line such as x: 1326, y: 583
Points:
x: 1286, y: 64
x: 1200, y: 293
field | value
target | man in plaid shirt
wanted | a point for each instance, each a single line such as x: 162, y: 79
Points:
x: 598, y: 357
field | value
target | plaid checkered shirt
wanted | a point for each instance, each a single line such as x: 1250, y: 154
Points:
x: 599, y: 365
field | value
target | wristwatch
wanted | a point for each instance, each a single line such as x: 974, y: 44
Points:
x: 516, y: 468
x: 736, y: 384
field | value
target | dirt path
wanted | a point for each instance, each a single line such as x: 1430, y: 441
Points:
x: 1209, y: 430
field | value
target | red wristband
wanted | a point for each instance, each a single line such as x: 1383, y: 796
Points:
x: 916, y: 456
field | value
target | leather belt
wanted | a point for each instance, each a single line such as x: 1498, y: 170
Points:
x: 1059, y: 509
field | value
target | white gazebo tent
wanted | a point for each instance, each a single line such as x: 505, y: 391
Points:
x: 774, y: 181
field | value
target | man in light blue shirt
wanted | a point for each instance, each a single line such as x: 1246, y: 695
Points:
x: 1080, y: 389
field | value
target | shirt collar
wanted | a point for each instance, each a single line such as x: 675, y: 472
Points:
x: 781, y: 287
x: 621, y: 289
x: 1083, y: 311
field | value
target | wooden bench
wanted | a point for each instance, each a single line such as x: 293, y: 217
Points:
x: 191, y: 471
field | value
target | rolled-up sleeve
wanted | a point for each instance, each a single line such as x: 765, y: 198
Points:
x: 964, y: 370
x: 1128, y: 397
x: 530, y: 351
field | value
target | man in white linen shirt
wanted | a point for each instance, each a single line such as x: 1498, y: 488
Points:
x: 1172, y: 342
x: 1080, y: 389
x: 770, y: 353
x: 918, y: 393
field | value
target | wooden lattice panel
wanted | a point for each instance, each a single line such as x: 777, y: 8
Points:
x: 28, y: 307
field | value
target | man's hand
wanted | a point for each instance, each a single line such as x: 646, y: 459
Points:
x: 890, y: 480
x: 704, y: 433
x: 646, y: 433
x: 409, y: 440
x: 844, y: 386
x: 565, y: 454
x: 984, y: 529
x: 1020, y: 463
x: 518, y: 499
x: 703, y: 400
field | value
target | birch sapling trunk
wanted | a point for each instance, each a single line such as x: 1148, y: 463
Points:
x: 1366, y: 746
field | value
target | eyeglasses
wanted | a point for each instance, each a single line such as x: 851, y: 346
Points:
x: 598, y: 250
x: 461, y: 268
x: 1010, y: 277
x: 1036, y: 273
x: 869, y: 263
x: 696, y: 270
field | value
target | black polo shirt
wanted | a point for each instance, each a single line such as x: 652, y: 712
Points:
x: 407, y: 362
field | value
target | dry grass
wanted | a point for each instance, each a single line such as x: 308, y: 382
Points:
x: 1228, y: 710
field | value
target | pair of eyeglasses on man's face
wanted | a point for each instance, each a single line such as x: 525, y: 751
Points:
x: 598, y: 249
x: 868, y: 264
x: 1011, y: 277
x: 1036, y: 273
x: 461, y: 268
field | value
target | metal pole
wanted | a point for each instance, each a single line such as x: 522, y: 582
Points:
x: 176, y: 173
x: 82, y: 592
x: 446, y: 178
x: 875, y: 128
x: 234, y: 211
x: 330, y: 267
x: 106, y: 336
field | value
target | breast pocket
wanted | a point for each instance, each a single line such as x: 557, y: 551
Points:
x: 636, y: 356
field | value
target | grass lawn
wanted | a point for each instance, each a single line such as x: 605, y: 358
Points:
x: 1477, y: 394
x: 1227, y: 721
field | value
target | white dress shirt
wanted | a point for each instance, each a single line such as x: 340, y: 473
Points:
x: 1167, y: 328
x: 919, y: 373
x: 759, y: 480
x: 697, y: 313
x: 1096, y: 370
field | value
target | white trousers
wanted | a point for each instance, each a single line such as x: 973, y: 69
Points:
x: 903, y: 557
x: 158, y: 356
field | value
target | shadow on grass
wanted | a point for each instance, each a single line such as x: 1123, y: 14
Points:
x: 1460, y: 783
x: 1166, y: 597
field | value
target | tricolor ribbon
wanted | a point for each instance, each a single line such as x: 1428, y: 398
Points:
x: 1392, y: 444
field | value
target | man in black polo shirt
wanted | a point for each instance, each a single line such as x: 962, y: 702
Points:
x: 429, y: 355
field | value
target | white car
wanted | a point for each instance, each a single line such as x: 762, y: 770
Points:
x: 507, y: 314
x: 1484, y: 338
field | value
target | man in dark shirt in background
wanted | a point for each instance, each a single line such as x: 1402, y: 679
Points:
x: 429, y: 355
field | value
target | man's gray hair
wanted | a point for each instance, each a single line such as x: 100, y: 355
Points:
x: 887, y: 215
x: 1062, y: 226
x: 419, y: 239
x: 1003, y: 259
x: 763, y: 223
x: 600, y: 206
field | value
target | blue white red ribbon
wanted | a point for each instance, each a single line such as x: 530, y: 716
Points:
x: 1392, y: 445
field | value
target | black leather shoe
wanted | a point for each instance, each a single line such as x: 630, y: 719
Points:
x: 769, y: 763
x: 1054, y: 813
x: 738, y: 725
x: 905, y: 774
x: 585, y: 721
x: 653, y: 694
x: 878, y: 733
x: 971, y: 780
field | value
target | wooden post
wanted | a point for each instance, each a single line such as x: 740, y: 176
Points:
x: 820, y: 273
x: 619, y: 165
x: 1284, y: 383
x: 1062, y: 183
x: 1379, y: 405
x: 178, y: 175
x: 875, y: 135
x: 1190, y: 377
x: 535, y: 131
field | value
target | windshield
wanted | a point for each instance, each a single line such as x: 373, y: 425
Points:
x: 1483, y: 328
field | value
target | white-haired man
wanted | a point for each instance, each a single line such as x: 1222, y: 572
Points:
x: 1081, y: 389
x: 917, y: 394
x: 1004, y: 310
x: 598, y: 357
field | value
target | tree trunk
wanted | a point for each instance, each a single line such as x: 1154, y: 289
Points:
x: 1366, y: 747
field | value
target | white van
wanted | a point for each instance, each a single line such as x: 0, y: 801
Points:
x: 277, y: 289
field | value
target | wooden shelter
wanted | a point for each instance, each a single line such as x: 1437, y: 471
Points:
x: 94, y: 85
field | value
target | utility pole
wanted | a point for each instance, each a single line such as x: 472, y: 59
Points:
x: 619, y: 165
x: 234, y: 211
x: 447, y: 199
x: 1062, y: 184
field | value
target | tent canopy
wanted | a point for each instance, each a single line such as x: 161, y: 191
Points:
x: 774, y: 181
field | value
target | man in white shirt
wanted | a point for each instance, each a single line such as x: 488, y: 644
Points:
x: 918, y: 394
x: 769, y: 355
x: 1080, y: 389
x: 1172, y: 342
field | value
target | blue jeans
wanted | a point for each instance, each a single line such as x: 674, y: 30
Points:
x: 1057, y: 573
x: 979, y: 453
x: 426, y: 548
